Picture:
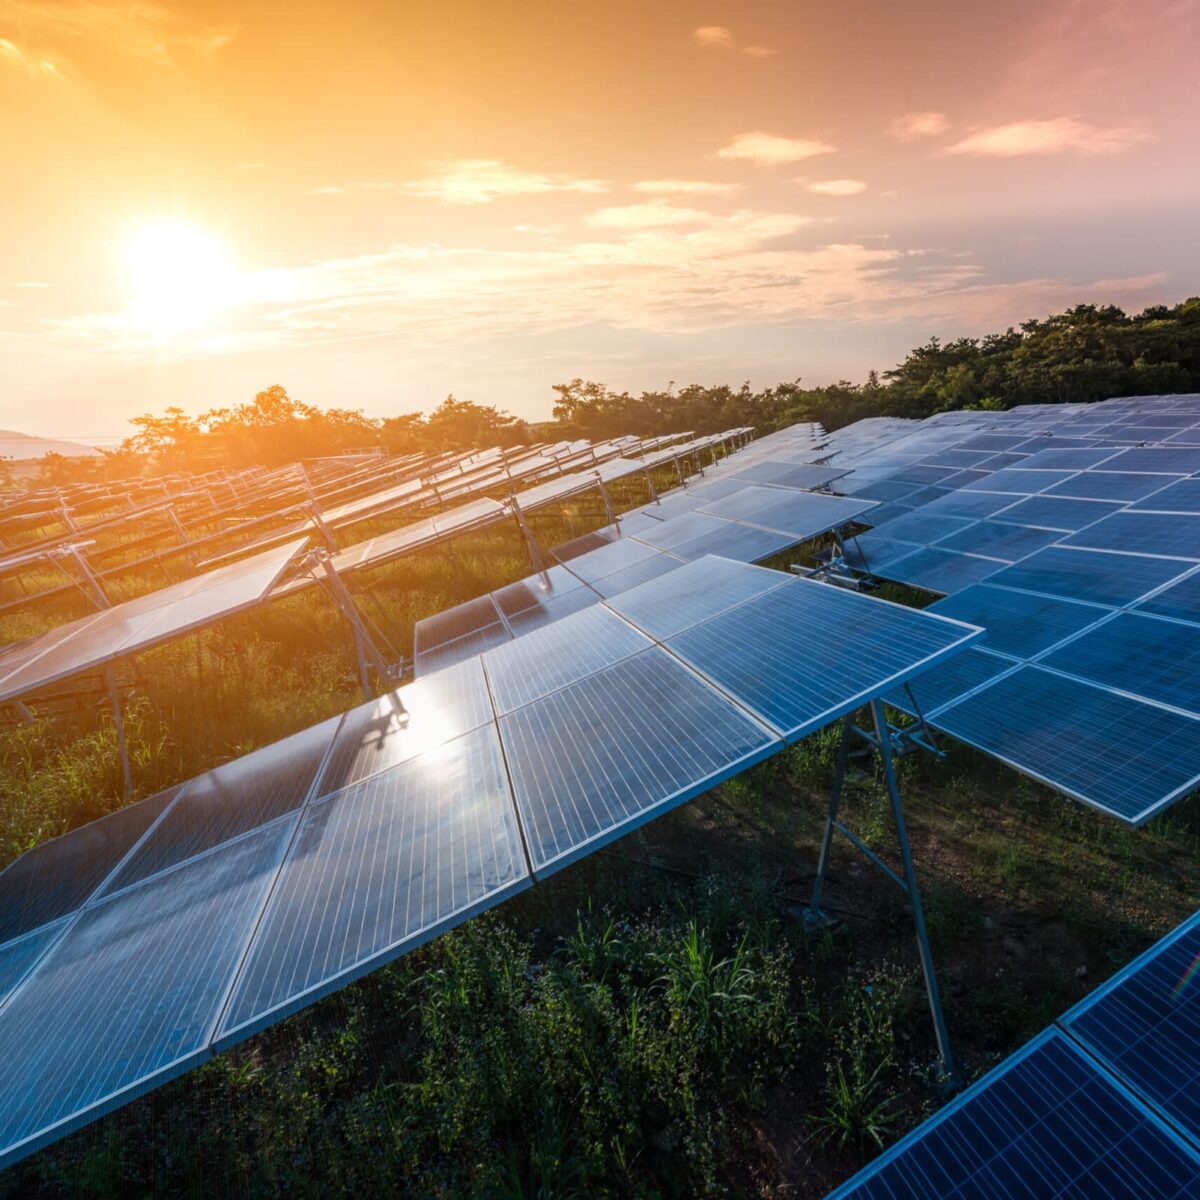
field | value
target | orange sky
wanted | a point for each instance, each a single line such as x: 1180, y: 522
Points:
x: 375, y: 204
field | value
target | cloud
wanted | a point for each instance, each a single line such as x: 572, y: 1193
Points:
x: 484, y: 180
x: 771, y: 150
x: 137, y: 28
x: 760, y: 51
x: 713, y: 36
x: 838, y: 187
x: 648, y: 216
x: 14, y: 56
x: 918, y: 125
x: 685, y: 187
x: 1060, y: 135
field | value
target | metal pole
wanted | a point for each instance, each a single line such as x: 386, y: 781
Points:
x: 650, y: 485
x: 535, y: 553
x: 835, y: 799
x: 949, y: 1070
x: 365, y: 646
x: 608, y: 504
x: 119, y: 724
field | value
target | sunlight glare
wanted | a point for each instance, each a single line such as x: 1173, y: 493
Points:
x: 179, y: 276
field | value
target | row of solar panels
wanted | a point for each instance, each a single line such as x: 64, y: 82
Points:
x: 139, y: 945
x: 1104, y: 1104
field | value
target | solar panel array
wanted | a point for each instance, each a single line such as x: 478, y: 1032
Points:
x: 139, y: 945
x: 1103, y: 1104
x: 727, y: 514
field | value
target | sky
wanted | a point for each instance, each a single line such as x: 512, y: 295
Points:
x: 378, y: 203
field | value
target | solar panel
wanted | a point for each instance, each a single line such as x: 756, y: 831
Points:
x: 1069, y: 459
x: 1125, y: 757
x: 456, y: 622
x: 394, y: 728
x: 1144, y: 1026
x: 1046, y: 1122
x: 948, y: 681
x: 238, y: 796
x: 938, y: 570
x: 677, y: 530
x: 551, y: 658
x: 448, y: 653
x: 19, y: 955
x: 141, y: 623
x: 970, y: 504
x: 1182, y: 496
x: 1107, y: 485
x: 1055, y: 512
x: 1018, y: 481
x: 1157, y: 459
x: 694, y: 593
x: 610, y: 559
x: 1167, y: 535
x: 997, y: 540
x: 1018, y: 623
x: 745, y: 543
x: 922, y: 527
x: 794, y: 475
x: 802, y: 655
x: 58, y: 875
x: 1145, y: 655
x: 535, y: 590
x: 1090, y: 575
x: 132, y: 990
x: 377, y: 869
x: 606, y: 754
x: 1181, y: 600
x: 623, y: 580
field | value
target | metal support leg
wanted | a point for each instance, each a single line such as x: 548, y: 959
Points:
x: 835, y: 799
x: 651, y: 487
x: 949, y: 1070
x: 536, y: 560
x: 608, y: 504
x: 679, y: 470
x: 364, y: 645
x: 119, y: 724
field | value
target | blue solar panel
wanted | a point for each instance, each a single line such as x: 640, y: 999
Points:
x: 535, y: 590
x: 1018, y: 481
x: 922, y: 527
x: 455, y: 623
x: 803, y: 654
x: 793, y: 475
x: 806, y: 514
x: 920, y: 474
x: 1168, y: 535
x: 1156, y: 459
x: 377, y: 869
x: 942, y: 571
x: 971, y: 504
x: 1045, y: 1123
x: 1123, y: 756
x: 128, y: 997
x: 1182, y: 496
x: 681, y: 529
x: 1021, y: 624
x: 948, y: 681
x: 381, y: 734
x: 1069, y: 459
x: 871, y: 552
x: 19, y: 955
x: 745, y: 543
x: 1148, y: 656
x: 694, y: 593
x: 742, y: 503
x: 1144, y: 1026
x: 883, y: 489
x: 1055, y: 512
x: 1107, y: 485
x: 608, y: 559
x: 238, y: 796
x: 622, y: 581
x: 58, y: 875
x: 997, y: 540
x: 602, y: 756
x: 1181, y: 600
x: 449, y: 653
x: 1090, y: 575
x: 549, y: 659
x: 554, y: 609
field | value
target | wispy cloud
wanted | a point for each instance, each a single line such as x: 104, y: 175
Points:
x: 771, y: 150
x: 484, y: 180
x: 137, y: 28
x: 648, y: 216
x: 759, y: 51
x: 838, y: 187
x: 918, y: 125
x: 685, y: 187
x: 1060, y: 135
x: 12, y: 55
x: 713, y: 36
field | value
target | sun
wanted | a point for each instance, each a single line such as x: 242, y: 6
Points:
x: 180, y: 277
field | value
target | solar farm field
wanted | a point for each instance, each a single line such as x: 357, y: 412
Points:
x: 542, y: 921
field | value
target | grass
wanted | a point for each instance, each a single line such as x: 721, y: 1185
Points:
x: 650, y: 1022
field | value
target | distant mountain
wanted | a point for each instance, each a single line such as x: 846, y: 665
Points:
x: 24, y: 445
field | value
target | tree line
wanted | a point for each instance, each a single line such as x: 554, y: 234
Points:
x: 1090, y: 352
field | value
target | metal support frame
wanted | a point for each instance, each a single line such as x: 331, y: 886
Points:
x: 326, y: 534
x: 650, y: 485
x: 905, y: 879
x: 536, y: 559
x: 608, y: 504
x: 368, y: 653
x: 679, y: 470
